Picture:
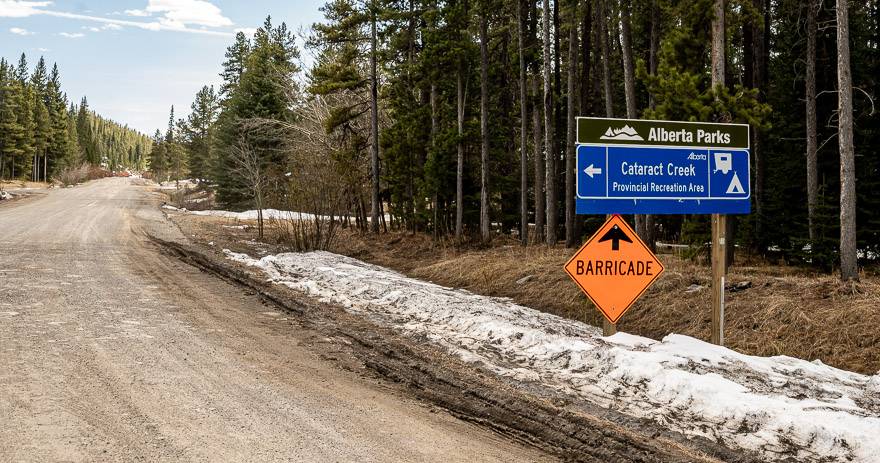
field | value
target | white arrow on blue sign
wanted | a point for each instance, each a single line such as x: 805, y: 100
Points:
x: 634, y: 179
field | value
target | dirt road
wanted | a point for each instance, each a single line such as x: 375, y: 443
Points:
x: 112, y: 351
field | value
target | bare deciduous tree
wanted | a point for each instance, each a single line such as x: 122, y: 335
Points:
x: 249, y: 167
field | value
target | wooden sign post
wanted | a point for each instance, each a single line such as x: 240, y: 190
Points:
x: 719, y: 273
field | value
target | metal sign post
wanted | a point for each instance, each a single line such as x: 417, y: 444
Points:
x: 630, y: 166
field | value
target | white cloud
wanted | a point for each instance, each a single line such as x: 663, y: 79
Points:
x: 74, y: 35
x: 105, y: 27
x: 176, y: 15
x: 20, y: 9
x: 42, y: 50
x: 137, y: 13
x: 248, y: 31
x: 20, y: 31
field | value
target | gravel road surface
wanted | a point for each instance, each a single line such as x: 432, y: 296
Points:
x: 112, y: 351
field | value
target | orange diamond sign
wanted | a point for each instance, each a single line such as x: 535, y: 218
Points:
x: 614, y: 268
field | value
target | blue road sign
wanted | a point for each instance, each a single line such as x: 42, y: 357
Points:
x: 629, y: 179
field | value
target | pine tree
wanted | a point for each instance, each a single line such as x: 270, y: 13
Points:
x: 158, y: 163
x: 42, y: 132
x: 197, y: 132
x: 85, y: 132
x: 260, y: 94
x: 11, y: 131
x: 73, y: 154
x: 234, y: 66
x: 59, y: 149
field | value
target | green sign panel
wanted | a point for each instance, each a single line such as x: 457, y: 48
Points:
x: 604, y: 131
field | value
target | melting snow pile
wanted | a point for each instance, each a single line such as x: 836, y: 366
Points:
x: 268, y: 214
x: 781, y: 407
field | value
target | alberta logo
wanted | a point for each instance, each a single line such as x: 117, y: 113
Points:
x: 624, y: 133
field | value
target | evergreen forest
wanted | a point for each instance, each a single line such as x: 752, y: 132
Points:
x: 455, y: 118
x: 43, y: 133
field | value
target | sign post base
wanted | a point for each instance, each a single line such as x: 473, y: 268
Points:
x: 608, y: 328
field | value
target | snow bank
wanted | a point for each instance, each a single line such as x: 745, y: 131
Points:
x: 781, y: 407
x: 268, y: 214
x: 181, y: 184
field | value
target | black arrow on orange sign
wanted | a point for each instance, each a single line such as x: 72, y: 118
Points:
x: 616, y: 235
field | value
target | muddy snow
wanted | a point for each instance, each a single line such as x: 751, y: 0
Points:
x: 781, y: 407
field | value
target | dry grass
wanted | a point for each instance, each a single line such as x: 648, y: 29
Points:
x: 785, y: 311
x: 16, y: 184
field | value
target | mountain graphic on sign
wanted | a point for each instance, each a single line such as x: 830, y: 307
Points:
x: 624, y: 133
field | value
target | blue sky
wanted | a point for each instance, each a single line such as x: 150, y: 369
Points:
x: 133, y: 59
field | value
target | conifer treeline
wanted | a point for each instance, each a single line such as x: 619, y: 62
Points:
x: 474, y: 103
x: 41, y: 132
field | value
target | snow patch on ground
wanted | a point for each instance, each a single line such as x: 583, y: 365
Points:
x: 781, y: 407
x: 175, y: 185
x: 268, y: 214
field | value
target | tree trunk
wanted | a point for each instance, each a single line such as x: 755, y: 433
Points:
x: 484, y: 126
x: 653, y: 46
x: 459, y: 171
x: 653, y: 49
x: 606, y: 55
x: 374, y: 121
x: 435, y: 123
x: 524, y: 133
x: 548, y: 131
x: 260, y: 218
x: 629, y: 87
x: 571, y: 237
x: 718, y: 48
x: 585, y: 78
x: 538, y: 155
x: 849, y: 269
x: 629, y: 80
x: 759, y: 36
x: 810, y: 91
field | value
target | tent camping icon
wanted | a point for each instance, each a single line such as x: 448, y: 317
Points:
x: 723, y: 162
